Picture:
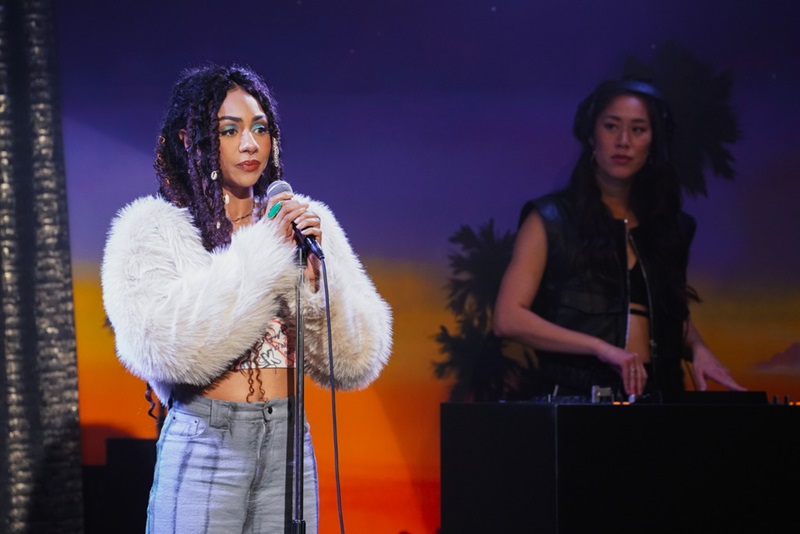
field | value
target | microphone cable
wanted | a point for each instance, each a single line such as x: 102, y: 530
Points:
x: 333, y: 397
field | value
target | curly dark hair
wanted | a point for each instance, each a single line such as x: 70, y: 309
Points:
x: 184, y: 174
x: 655, y: 197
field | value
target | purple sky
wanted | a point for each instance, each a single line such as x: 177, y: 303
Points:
x: 413, y: 118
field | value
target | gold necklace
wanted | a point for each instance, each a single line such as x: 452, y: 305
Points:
x: 237, y: 219
x: 246, y: 215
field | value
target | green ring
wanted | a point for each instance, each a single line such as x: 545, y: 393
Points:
x: 273, y: 211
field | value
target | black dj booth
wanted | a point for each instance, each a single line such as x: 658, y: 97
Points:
x: 716, y: 463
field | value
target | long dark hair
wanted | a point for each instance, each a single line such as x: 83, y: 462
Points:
x: 184, y: 174
x: 655, y: 196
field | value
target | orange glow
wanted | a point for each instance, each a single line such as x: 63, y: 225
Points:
x: 389, y: 433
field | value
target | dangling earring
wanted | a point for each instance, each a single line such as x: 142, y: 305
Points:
x: 226, y: 198
x: 214, y: 176
x: 275, y: 152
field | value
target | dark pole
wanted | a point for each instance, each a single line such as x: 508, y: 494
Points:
x: 298, y: 523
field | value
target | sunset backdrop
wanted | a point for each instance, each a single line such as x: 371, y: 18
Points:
x: 411, y: 119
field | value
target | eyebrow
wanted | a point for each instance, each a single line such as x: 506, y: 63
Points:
x: 239, y: 119
x: 617, y: 117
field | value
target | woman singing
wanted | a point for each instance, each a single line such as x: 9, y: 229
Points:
x: 199, y: 284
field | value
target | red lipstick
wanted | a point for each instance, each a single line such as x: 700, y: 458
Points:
x: 249, y: 165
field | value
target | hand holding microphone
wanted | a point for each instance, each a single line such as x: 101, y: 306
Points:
x: 294, y: 217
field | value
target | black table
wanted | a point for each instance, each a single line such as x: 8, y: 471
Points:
x: 581, y: 467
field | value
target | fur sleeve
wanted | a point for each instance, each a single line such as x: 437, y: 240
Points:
x: 181, y: 314
x: 361, y: 321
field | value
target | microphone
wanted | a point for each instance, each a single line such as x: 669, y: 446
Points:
x: 307, y: 241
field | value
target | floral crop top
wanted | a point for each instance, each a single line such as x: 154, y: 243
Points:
x: 273, y: 351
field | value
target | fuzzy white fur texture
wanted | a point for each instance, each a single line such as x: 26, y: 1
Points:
x: 183, y: 315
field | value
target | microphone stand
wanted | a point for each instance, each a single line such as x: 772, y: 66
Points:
x: 298, y: 523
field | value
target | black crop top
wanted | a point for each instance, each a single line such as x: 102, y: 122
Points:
x: 638, y: 287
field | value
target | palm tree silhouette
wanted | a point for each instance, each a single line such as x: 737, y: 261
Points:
x: 699, y: 100
x: 481, y: 362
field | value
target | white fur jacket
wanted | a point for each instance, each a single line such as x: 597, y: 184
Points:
x: 183, y: 315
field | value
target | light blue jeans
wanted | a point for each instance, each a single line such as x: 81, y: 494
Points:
x: 227, y: 467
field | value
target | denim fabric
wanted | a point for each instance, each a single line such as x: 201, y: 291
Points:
x: 227, y: 467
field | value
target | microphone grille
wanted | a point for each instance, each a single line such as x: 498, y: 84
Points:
x: 277, y: 187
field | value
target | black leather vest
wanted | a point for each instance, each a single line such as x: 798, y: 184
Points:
x: 580, y: 300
